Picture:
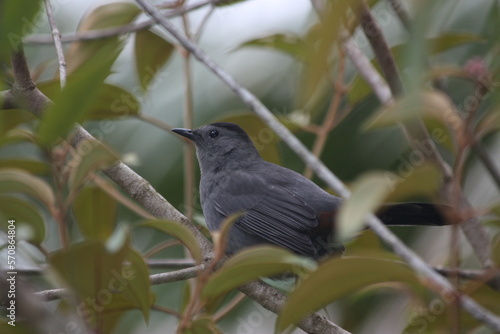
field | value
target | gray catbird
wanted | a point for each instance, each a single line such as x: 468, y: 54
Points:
x: 280, y: 206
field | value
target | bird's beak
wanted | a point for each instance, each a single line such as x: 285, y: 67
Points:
x: 188, y: 133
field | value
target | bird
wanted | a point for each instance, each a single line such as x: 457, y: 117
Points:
x: 279, y: 206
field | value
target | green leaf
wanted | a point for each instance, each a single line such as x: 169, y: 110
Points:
x: 106, y: 16
x: 105, y: 282
x: 360, y: 89
x: 368, y: 193
x: 425, y: 104
x: 202, y: 326
x: 111, y: 101
x: 251, y: 264
x: 342, y: 276
x: 176, y: 230
x: 414, y: 179
x: 95, y: 212
x: 24, y: 213
x: 17, y: 135
x: 220, y: 236
x: 289, y: 44
x: 17, y: 18
x: 489, y: 124
x: 10, y: 118
x: 151, y: 53
x: 138, y: 290
x: 91, y: 156
x: 77, y: 97
x: 31, y: 166
x: 18, y: 181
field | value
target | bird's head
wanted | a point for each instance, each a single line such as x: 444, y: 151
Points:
x: 220, y: 144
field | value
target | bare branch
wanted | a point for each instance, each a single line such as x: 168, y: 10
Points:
x: 368, y: 72
x: 401, y: 12
x: 56, y: 35
x: 380, y: 47
x: 438, y: 283
x: 111, y: 32
x: 156, y: 279
x: 483, y: 155
x: 178, y: 275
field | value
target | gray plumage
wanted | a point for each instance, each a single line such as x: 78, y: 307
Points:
x: 280, y: 206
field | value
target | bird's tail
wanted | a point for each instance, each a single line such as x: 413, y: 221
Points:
x: 413, y: 214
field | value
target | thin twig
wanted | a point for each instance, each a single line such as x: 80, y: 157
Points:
x: 203, y: 23
x: 162, y: 246
x: 56, y: 36
x: 438, y: 282
x: 380, y: 47
x: 331, y: 115
x: 401, y: 12
x: 189, y: 158
x: 482, y: 154
x: 229, y: 307
x: 155, y: 121
x: 178, y: 275
x: 156, y: 279
x: 366, y: 70
x: 167, y: 310
x: 111, y: 32
x: 173, y: 263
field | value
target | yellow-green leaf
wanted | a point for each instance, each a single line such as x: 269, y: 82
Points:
x: 18, y: 181
x: 105, y: 282
x: 151, y: 53
x: 341, y: 276
x: 368, y: 193
x: 251, y: 264
x: 24, y: 214
x: 176, y: 230
x: 431, y: 104
x: 16, y: 19
x: 31, y: 166
x: 91, y: 156
x: 95, y: 212
x: 105, y: 16
x: 111, y: 101
x: 77, y: 97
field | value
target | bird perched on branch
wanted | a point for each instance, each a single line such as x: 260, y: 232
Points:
x: 280, y: 206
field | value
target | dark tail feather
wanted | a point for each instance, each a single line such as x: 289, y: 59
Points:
x: 412, y: 214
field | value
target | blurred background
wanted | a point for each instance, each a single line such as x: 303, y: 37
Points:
x: 257, y: 42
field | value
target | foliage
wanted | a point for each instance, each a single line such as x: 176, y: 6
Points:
x: 97, y: 243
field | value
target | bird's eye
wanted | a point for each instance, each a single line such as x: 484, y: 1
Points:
x: 213, y: 133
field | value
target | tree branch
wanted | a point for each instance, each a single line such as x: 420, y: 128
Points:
x: 438, y: 283
x: 156, y: 279
x: 56, y: 35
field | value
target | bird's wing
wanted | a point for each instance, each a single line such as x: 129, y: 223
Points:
x: 270, y: 211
